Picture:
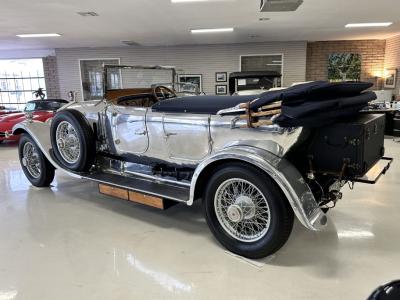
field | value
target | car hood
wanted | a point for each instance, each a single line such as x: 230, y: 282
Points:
x: 12, y: 117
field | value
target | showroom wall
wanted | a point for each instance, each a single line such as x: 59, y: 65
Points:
x: 372, y: 55
x: 196, y: 59
x: 392, y: 58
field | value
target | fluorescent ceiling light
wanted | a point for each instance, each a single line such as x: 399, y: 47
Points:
x: 356, y: 25
x: 211, y: 30
x: 34, y: 35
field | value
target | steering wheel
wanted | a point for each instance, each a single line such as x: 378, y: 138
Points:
x: 164, y: 91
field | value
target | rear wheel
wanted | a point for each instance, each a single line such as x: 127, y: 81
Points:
x: 36, y: 167
x: 246, y: 211
x: 72, y: 140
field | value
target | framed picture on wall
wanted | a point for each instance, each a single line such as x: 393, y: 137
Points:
x: 221, y: 89
x: 191, y: 78
x: 390, y: 78
x: 344, y: 67
x: 221, y: 76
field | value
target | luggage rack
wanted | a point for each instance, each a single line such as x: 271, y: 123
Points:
x: 373, y: 175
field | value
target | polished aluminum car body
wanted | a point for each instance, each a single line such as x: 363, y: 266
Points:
x: 193, y: 140
x: 140, y: 137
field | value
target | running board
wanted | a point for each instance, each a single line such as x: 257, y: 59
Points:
x: 133, y: 186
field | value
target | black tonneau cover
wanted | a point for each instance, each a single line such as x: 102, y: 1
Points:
x: 200, y: 104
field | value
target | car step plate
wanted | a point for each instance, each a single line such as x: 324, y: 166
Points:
x: 144, y: 186
x: 137, y: 197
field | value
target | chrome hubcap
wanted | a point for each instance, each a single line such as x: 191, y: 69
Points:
x: 30, y: 160
x: 67, y: 140
x: 235, y: 213
x: 242, y: 210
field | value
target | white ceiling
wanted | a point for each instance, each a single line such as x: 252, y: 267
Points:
x: 159, y: 22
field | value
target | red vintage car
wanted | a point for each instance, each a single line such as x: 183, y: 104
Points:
x: 41, y: 110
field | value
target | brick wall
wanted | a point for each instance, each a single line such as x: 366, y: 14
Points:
x: 372, y: 55
x: 51, y: 77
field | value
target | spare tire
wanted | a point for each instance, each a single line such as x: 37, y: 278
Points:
x: 72, y: 140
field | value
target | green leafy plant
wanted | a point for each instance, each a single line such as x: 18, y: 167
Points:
x: 39, y: 93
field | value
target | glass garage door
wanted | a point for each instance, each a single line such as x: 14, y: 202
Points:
x: 19, y: 78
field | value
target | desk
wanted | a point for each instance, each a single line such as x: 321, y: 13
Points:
x: 389, y: 116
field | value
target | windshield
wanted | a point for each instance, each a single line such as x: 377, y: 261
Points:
x: 181, y: 88
x: 43, y: 105
x: 134, y: 80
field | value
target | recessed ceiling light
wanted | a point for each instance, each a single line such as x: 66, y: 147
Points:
x: 130, y: 43
x: 183, y: 1
x: 211, y: 30
x: 355, y: 25
x: 188, y: 1
x: 34, y: 35
x: 88, y: 13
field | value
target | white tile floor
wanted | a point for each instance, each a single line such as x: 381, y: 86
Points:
x: 69, y: 242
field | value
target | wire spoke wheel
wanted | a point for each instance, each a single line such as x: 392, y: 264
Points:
x: 30, y: 160
x: 68, y: 143
x: 242, y: 210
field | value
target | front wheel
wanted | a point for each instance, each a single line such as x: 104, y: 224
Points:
x: 36, y: 167
x: 246, y: 211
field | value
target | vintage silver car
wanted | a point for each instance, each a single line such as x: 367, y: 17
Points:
x: 149, y: 146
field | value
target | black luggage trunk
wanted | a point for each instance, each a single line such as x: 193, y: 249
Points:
x: 348, y: 149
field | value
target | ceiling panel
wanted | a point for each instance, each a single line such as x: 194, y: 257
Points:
x: 159, y: 22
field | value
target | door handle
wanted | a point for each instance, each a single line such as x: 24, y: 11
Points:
x: 170, y: 133
x: 140, y: 132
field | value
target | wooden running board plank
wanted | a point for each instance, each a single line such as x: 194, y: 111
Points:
x: 113, y: 191
x: 146, y: 199
x: 129, y: 195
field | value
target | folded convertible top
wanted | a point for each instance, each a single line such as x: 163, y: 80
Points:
x: 319, y: 91
x: 313, y: 104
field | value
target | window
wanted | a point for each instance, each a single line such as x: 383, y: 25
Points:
x: 262, y: 63
x: 19, y: 78
x: 92, y: 77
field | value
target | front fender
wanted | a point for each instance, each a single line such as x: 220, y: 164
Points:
x: 40, y: 132
x: 281, y: 171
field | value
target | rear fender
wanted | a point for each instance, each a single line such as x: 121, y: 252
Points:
x: 286, y: 176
